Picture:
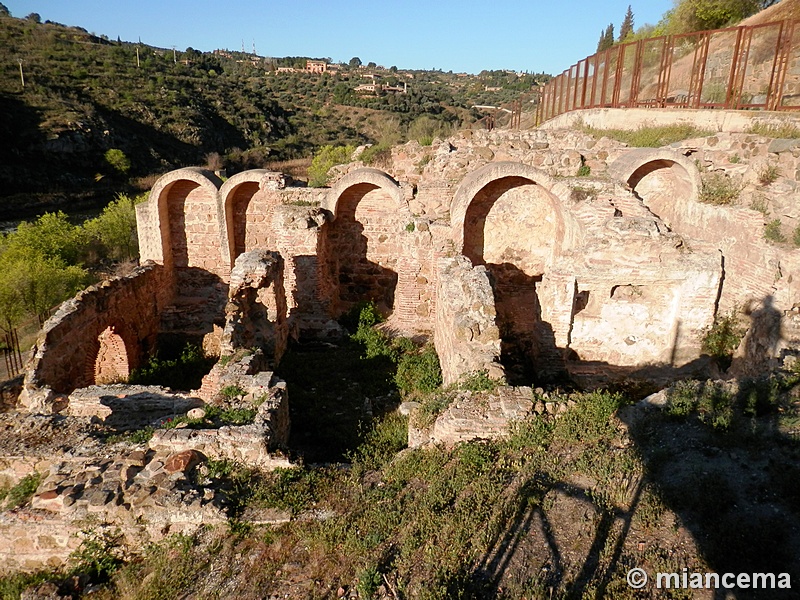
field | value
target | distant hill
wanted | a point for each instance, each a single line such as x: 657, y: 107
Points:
x: 85, y: 94
x: 785, y: 9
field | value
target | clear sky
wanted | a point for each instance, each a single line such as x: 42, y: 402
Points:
x: 524, y: 35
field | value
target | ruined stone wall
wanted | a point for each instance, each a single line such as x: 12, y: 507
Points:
x: 466, y: 336
x: 109, y: 325
x: 255, y: 316
x: 579, y: 267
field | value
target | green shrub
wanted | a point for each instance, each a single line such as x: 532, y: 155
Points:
x: 12, y: 585
x: 231, y: 392
x: 382, y: 443
x: 115, y: 228
x: 324, y: 160
x: 142, y: 436
x: 723, y: 337
x: 376, y: 153
x: 182, y: 373
x: 21, y: 493
x: 369, y: 580
x: 478, y: 381
x: 589, y: 421
x: 117, y: 160
x: 419, y: 371
x: 713, y: 404
x: 773, y: 233
x: 796, y: 236
x: 718, y: 189
x: 99, y: 555
x: 431, y: 406
x: 584, y: 171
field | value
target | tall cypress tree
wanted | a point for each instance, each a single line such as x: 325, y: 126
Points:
x: 627, y: 25
x: 606, y: 38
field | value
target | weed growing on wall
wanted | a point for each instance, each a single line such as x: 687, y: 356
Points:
x: 718, y: 189
x: 773, y: 233
x: 20, y: 494
x: 769, y: 174
x: 650, y: 137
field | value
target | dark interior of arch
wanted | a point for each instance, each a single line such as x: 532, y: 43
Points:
x: 363, y: 248
x: 509, y: 228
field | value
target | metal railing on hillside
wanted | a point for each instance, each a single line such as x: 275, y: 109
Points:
x: 745, y: 67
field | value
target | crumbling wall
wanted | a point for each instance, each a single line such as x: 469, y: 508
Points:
x: 300, y: 240
x: 466, y: 336
x: 255, y: 316
x: 72, y: 348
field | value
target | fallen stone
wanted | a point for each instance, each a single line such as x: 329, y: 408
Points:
x: 183, y: 461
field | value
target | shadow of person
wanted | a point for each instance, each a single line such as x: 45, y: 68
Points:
x: 761, y: 342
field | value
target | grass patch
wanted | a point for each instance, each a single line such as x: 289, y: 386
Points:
x: 783, y: 130
x: 796, y: 236
x: 718, y: 189
x: 773, y: 233
x: 650, y: 137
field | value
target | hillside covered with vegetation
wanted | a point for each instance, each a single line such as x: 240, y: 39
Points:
x: 68, y: 97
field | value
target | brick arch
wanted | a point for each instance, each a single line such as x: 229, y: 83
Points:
x: 190, y: 193
x: 510, y: 217
x: 366, y: 176
x: 667, y: 182
x: 112, y: 356
x: 364, y: 240
x: 497, y: 178
x: 236, y: 195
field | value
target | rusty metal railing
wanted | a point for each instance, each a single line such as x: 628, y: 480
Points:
x: 745, y: 67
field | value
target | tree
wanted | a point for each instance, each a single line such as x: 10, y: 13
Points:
x: 115, y: 228
x: 627, y: 25
x: 606, y: 38
x: 355, y: 62
x: 4, y: 12
x: 51, y: 236
x: 35, y: 17
x: 700, y: 15
x: 117, y: 160
x: 372, y: 64
x: 326, y: 158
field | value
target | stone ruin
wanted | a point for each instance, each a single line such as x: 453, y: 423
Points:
x: 532, y: 255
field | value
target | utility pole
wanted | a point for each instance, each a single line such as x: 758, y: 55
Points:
x: 21, y: 74
x: 137, y: 57
x: 174, y: 57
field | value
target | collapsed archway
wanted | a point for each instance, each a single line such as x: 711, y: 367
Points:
x: 111, y: 362
x: 515, y: 227
x: 664, y: 180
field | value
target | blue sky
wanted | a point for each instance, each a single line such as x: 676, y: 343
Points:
x: 532, y: 35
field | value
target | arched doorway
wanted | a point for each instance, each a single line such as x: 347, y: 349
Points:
x: 363, y: 247
x: 514, y: 227
x: 111, y: 363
